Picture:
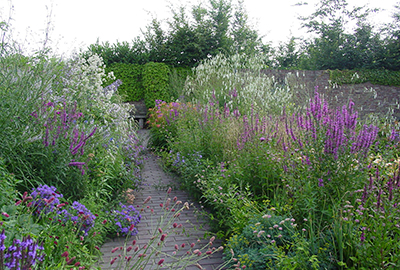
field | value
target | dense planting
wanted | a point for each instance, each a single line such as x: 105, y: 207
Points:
x: 69, y: 154
x: 296, y: 188
x: 68, y: 151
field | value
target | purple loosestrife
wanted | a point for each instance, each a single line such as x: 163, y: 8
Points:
x: 78, y: 164
x: 82, y: 142
x: 338, y: 128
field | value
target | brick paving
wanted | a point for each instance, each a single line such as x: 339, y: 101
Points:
x: 195, y: 225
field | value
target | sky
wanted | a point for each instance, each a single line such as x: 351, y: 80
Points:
x: 76, y: 24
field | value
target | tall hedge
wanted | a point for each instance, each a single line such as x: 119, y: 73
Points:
x: 156, y: 78
x: 131, y: 77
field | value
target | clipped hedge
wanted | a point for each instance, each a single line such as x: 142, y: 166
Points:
x: 131, y: 77
x: 379, y: 77
x: 156, y: 78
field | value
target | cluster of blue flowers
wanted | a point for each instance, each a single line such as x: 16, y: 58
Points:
x: 80, y: 216
x: 21, y: 254
x: 180, y: 160
x: 45, y: 198
x: 124, y: 218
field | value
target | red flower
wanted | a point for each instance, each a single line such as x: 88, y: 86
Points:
x: 65, y: 254
x: 163, y: 237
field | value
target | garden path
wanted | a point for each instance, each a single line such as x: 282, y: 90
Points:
x: 156, y: 184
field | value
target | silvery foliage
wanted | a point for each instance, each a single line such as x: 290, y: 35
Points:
x: 221, y: 75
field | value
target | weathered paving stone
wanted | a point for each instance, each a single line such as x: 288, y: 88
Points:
x: 195, y: 225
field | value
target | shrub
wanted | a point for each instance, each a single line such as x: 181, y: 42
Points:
x: 155, y: 83
x: 267, y: 241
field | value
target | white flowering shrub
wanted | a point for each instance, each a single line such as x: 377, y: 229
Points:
x: 239, y: 82
x: 82, y: 81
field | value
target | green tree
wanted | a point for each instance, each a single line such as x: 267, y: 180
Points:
x: 156, y: 41
x: 334, y: 47
x: 183, y: 43
x: 288, y: 55
x: 245, y: 39
x: 391, y: 54
x: 220, y: 15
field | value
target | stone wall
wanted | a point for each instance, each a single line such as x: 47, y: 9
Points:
x: 368, y: 98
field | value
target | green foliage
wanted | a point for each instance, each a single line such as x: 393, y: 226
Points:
x: 270, y: 241
x: 177, y: 80
x: 376, y: 76
x: 376, y: 233
x: 346, y: 39
x: 8, y: 184
x: 245, y: 39
x: 120, y: 52
x: 264, y: 177
x: 131, y: 77
x: 155, y: 83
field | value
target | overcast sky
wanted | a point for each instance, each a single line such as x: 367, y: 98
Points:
x: 79, y: 23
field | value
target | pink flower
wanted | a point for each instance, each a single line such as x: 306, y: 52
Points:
x: 160, y: 262
x: 147, y: 199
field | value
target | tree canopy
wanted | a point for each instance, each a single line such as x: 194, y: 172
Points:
x: 342, y: 37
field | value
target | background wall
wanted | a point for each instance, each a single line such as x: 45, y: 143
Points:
x: 367, y: 97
